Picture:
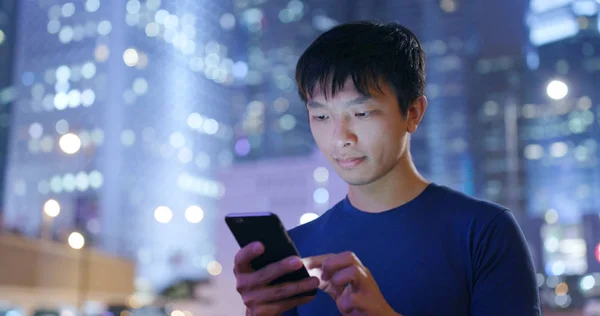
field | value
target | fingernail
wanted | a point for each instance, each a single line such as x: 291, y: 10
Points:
x: 257, y: 248
x: 316, y: 281
x: 294, y: 262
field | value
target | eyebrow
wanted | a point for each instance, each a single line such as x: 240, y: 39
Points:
x: 356, y: 101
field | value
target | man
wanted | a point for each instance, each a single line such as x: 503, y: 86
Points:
x: 397, y: 244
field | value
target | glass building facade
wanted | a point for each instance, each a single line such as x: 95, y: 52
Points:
x: 559, y: 138
x: 8, y: 11
x: 271, y: 120
x: 123, y: 118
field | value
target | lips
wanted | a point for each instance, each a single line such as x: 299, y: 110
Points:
x: 350, y: 162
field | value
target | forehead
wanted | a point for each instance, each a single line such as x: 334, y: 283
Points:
x: 349, y: 91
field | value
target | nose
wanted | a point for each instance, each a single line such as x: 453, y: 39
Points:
x: 343, y: 136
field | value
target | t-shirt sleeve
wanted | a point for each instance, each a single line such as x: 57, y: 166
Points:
x: 504, y: 276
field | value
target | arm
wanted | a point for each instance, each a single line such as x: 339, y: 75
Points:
x: 504, y: 277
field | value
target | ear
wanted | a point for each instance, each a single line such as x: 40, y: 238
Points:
x: 415, y: 114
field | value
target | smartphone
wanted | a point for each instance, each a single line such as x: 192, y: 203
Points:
x: 267, y: 229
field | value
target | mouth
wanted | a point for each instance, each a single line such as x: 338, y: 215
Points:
x: 350, y: 162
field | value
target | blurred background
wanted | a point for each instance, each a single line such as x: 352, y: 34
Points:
x: 129, y: 128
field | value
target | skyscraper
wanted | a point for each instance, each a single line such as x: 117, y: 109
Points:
x: 496, y: 92
x: 8, y: 10
x: 560, y: 132
x: 123, y: 118
x: 440, y: 147
x: 271, y: 119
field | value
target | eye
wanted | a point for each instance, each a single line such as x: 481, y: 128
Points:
x: 320, y: 117
x: 363, y: 114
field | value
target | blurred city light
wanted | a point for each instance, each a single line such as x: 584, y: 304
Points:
x: 194, y: 214
x: 321, y: 174
x: 214, y: 268
x: 308, y: 217
x: 321, y: 196
x: 558, y: 268
x: 131, y: 57
x: 76, y: 240
x: 163, y: 214
x: 551, y: 216
x: 52, y: 208
x: 70, y: 143
x: 587, y: 283
x: 557, y: 89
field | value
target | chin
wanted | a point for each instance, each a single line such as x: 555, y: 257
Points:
x: 356, y: 180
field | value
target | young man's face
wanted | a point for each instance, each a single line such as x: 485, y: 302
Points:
x: 364, y: 138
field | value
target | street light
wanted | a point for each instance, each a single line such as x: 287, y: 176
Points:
x: 557, y: 89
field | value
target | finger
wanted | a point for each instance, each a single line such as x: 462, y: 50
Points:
x: 349, y: 275
x: 280, y: 307
x: 337, y: 262
x: 245, y: 255
x: 315, y: 261
x: 280, y: 292
x: 267, y: 274
x: 349, y: 302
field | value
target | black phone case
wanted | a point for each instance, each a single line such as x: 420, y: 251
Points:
x: 268, y: 229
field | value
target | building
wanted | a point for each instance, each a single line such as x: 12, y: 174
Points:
x: 8, y: 11
x: 271, y: 119
x: 122, y: 119
x: 496, y: 91
x: 559, y: 135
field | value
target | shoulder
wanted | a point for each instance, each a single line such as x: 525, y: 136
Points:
x: 463, y: 206
x: 479, y: 219
x: 488, y: 226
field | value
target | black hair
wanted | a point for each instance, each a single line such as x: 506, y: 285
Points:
x: 369, y: 53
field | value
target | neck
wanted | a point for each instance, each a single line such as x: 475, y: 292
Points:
x: 399, y: 186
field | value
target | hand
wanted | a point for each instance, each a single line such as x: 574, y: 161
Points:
x: 262, y: 299
x: 349, y: 283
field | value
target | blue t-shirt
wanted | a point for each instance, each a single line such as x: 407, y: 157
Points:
x: 443, y: 253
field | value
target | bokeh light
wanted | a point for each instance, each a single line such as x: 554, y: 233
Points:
x: 557, y: 89
x: 76, y: 240
x: 194, y: 214
x: 70, y: 143
x: 321, y: 174
x: 163, y: 214
x: 308, y: 217
x: 214, y: 268
x: 131, y: 57
x: 321, y: 196
x: 52, y: 208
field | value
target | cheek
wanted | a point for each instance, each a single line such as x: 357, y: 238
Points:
x: 382, y: 140
x: 320, y: 134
